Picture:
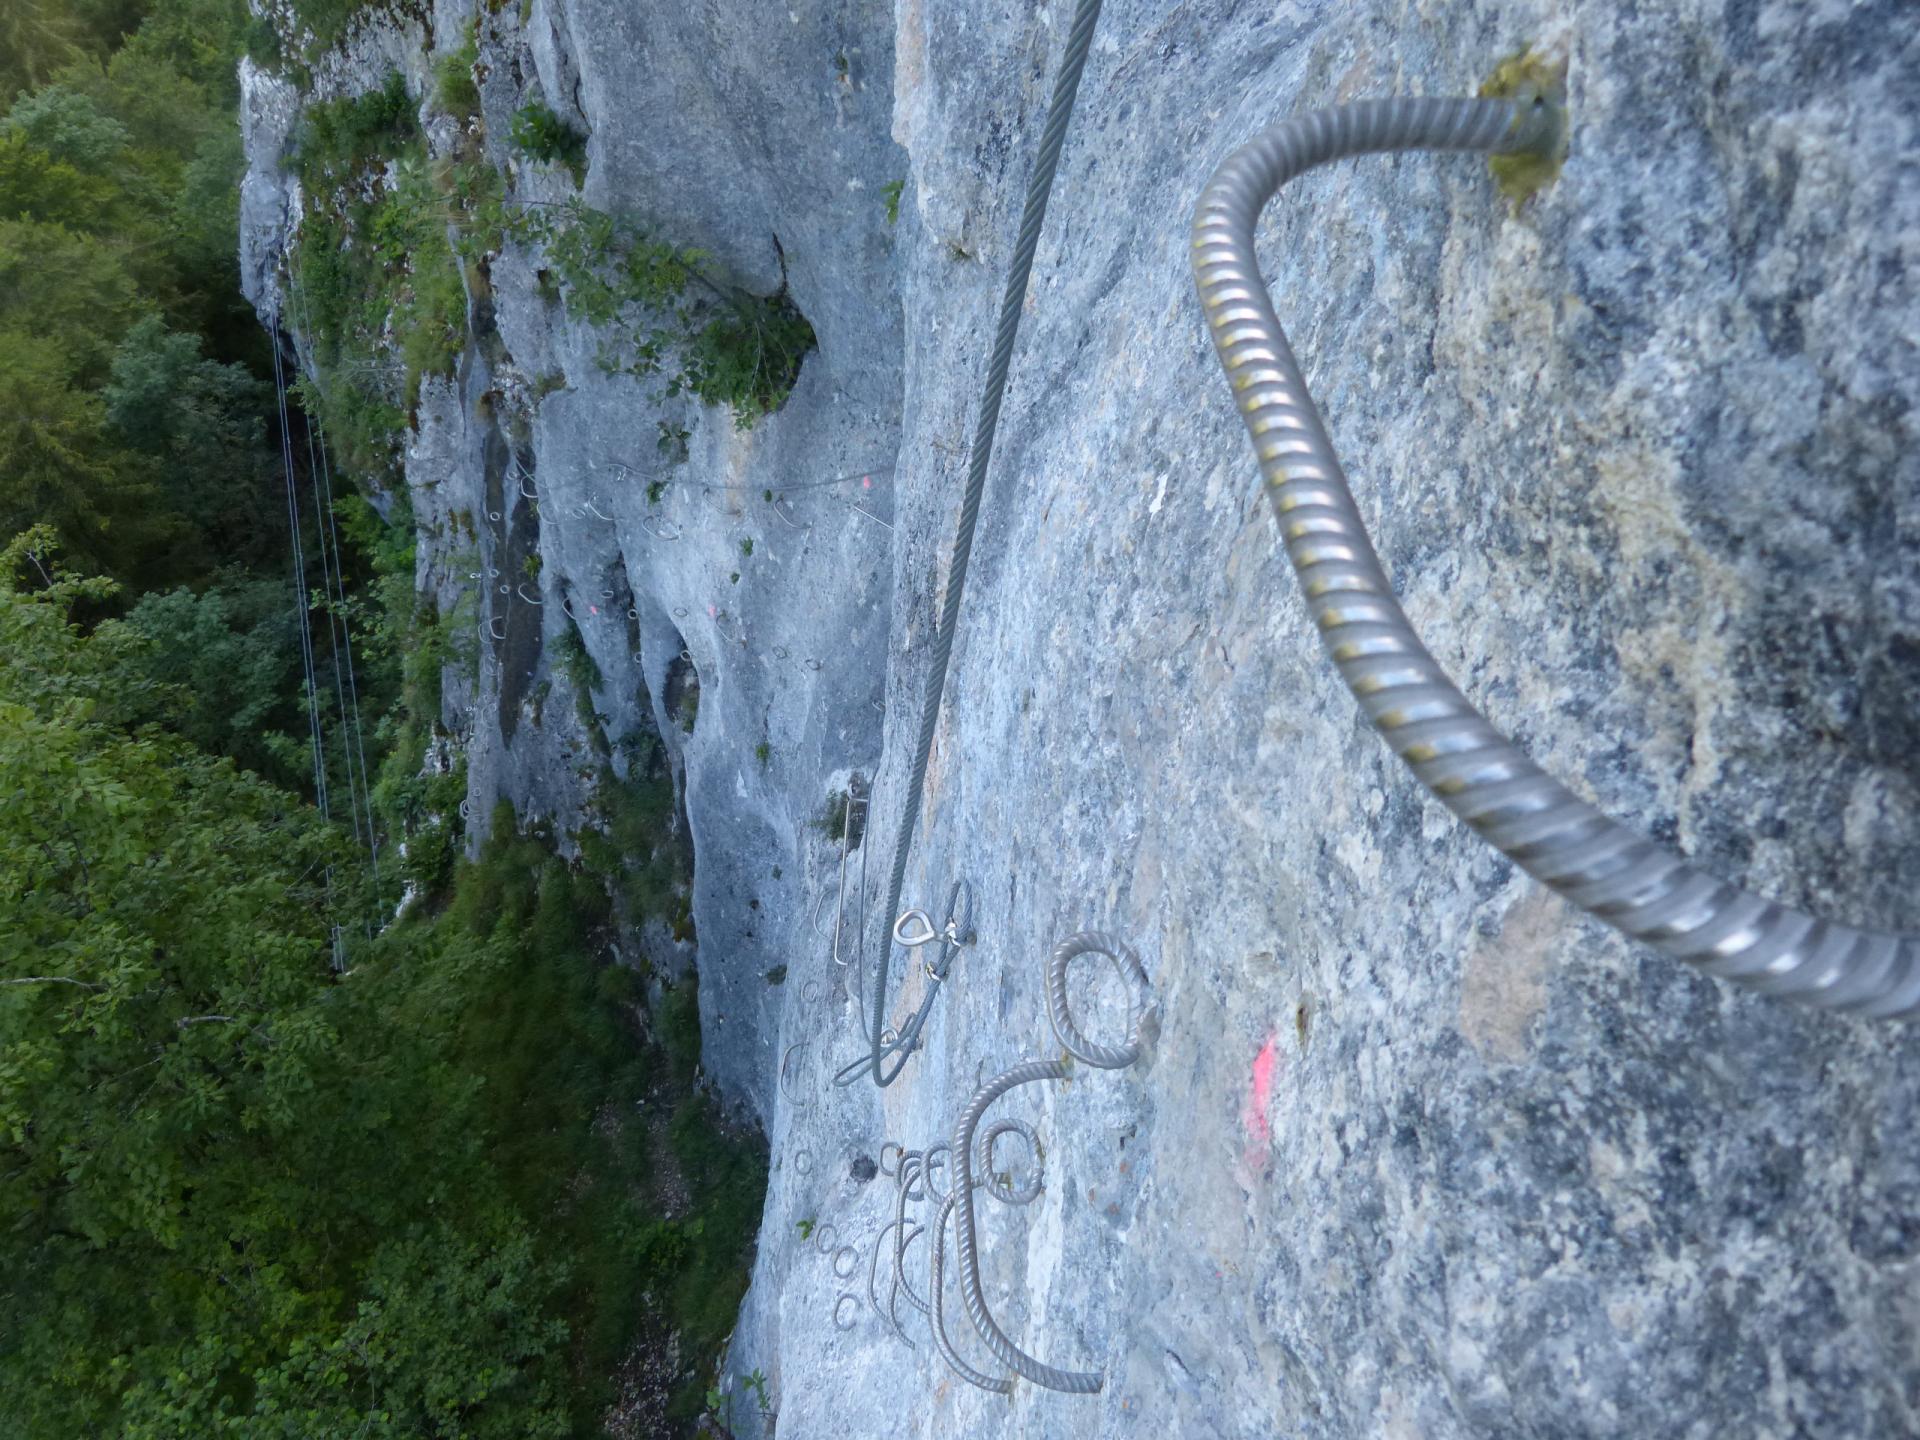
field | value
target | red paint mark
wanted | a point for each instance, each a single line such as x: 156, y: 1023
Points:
x: 866, y: 482
x: 593, y: 609
x: 711, y: 613
x: 1254, y: 1117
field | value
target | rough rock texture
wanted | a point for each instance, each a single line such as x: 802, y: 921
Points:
x: 1417, y: 1152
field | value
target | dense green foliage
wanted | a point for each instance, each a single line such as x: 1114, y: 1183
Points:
x: 663, y: 314
x: 250, y: 1195
x: 129, y: 418
x: 539, y: 131
x: 376, y: 285
x: 455, y: 90
x: 273, y: 1163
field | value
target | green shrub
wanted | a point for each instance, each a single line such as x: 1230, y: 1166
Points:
x: 339, y: 136
x: 454, y: 89
x: 670, y: 317
x: 326, y: 20
x: 539, y: 131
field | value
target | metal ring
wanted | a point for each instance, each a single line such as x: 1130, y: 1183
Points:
x: 493, y: 515
x: 826, y: 1238
x: 810, y: 992
x: 679, y: 612
x: 1008, y: 1193
x: 852, y: 1257
x: 898, y: 1151
x: 840, y: 1305
x: 1093, y: 942
x: 520, y: 589
x: 803, y: 1162
x: 811, y: 663
x: 786, y: 1069
x: 914, y: 942
x: 501, y: 633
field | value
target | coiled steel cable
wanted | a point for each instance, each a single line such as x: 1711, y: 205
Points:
x: 936, y: 1246
x: 1608, y: 870
x: 965, y: 1241
x: 1073, y: 60
x: 1105, y: 1057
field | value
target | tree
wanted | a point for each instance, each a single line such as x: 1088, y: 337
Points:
x: 226, y: 1209
x: 37, y: 37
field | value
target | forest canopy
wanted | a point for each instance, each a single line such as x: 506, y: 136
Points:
x: 310, y: 1125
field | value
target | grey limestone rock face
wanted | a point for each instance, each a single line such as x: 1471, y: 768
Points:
x: 1417, y: 1151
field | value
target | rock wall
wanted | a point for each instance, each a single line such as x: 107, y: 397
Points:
x: 1417, y: 1151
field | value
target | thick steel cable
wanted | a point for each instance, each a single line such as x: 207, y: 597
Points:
x: 964, y: 1156
x: 937, y: 1244
x: 1608, y: 870
x: 1039, y: 189
x: 966, y: 1242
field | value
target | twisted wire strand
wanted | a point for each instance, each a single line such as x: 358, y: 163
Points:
x: 1105, y: 1057
x: 1613, y: 873
x: 936, y: 1247
x: 966, y: 1240
x: 965, y: 1157
x: 1039, y: 190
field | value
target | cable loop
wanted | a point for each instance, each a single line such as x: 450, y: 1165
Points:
x: 999, y: 1184
x: 1093, y: 942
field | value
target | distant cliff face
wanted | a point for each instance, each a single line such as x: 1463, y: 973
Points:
x: 1641, y: 459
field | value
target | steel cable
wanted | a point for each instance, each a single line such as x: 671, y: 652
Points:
x: 1105, y: 1057
x: 315, y: 728
x: 953, y: 936
x: 1039, y: 190
x: 1613, y: 873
